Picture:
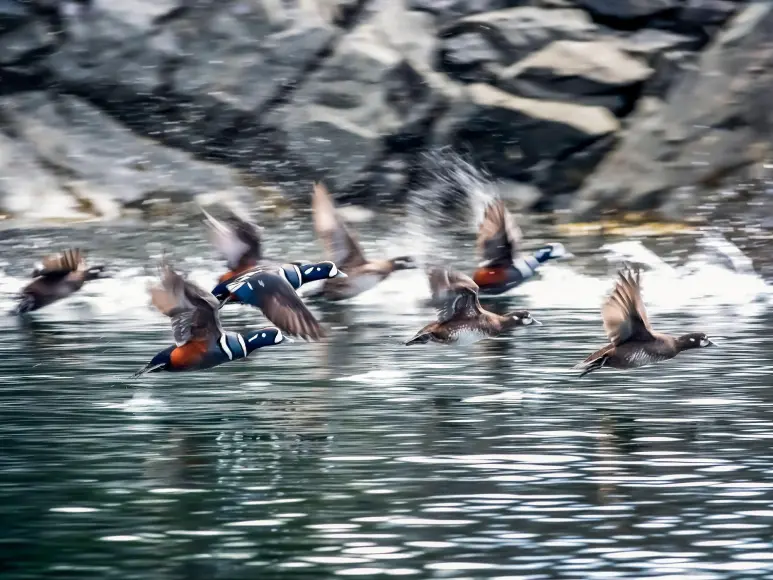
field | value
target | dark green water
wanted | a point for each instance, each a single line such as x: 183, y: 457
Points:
x: 360, y: 457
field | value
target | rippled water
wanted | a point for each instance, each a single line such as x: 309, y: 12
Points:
x: 361, y: 457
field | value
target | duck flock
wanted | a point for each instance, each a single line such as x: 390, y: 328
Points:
x: 201, y: 342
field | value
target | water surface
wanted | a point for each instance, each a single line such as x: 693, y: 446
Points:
x: 361, y: 457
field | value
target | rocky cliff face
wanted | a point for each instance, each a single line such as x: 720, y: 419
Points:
x: 597, y: 104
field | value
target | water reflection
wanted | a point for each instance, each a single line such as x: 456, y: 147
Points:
x: 359, y: 457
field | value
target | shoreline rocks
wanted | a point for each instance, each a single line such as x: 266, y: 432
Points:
x: 592, y: 105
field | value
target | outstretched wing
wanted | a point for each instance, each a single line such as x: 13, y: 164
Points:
x: 342, y: 247
x: 624, y: 314
x: 60, y: 264
x: 193, y: 311
x: 237, y: 238
x: 274, y: 295
x: 453, y: 293
x: 499, y: 237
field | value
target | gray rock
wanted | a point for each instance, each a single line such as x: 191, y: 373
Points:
x: 596, y: 73
x: 716, y: 121
x: 376, y: 92
x: 628, y: 9
x: 514, y: 34
x: 524, y: 139
x: 83, y: 152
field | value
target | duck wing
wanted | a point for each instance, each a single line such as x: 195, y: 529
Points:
x: 453, y: 293
x: 58, y: 265
x: 499, y: 238
x: 193, y: 311
x: 624, y: 314
x: 281, y: 304
x: 341, y: 245
x: 236, y: 237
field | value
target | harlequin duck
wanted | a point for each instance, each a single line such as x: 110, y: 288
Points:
x: 461, y: 319
x: 343, y: 248
x: 200, y: 341
x: 633, y: 342
x: 262, y: 283
x: 55, y: 277
x: 499, y: 240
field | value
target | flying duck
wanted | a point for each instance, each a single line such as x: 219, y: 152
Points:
x: 343, y: 248
x: 57, y: 276
x: 200, y: 341
x: 461, y: 319
x: 633, y: 342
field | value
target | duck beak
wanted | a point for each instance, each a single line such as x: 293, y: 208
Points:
x: 568, y: 256
x: 536, y: 322
x: 711, y: 343
x: 340, y: 274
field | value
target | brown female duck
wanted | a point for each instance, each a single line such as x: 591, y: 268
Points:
x: 461, y: 319
x: 344, y: 250
x: 633, y: 342
x: 55, y: 277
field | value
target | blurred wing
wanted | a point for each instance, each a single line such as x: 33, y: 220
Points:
x: 499, y: 238
x: 60, y: 264
x: 192, y: 310
x: 236, y: 239
x: 341, y: 245
x: 284, y: 308
x: 624, y: 315
x: 453, y: 293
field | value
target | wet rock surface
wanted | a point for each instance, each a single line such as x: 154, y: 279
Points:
x: 592, y: 105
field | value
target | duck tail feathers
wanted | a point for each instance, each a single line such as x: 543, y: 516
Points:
x: 421, y: 338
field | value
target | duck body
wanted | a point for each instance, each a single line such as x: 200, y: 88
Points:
x: 503, y: 267
x: 497, y: 278
x: 343, y: 249
x: 296, y: 274
x: 207, y: 354
x: 200, y: 340
x: 461, y: 319
x: 56, y: 277
x: 633, y: 343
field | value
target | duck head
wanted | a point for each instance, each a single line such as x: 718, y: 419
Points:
x: 161, y: 362
x: 96, y: 273
x: 312, y: 272
x: 268, y: 336
x: 693, y: 340
x: 552, y: 251
x: 403, y: 263
x: 521, y: 318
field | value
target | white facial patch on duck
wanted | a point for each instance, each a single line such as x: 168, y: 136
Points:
x: 308, y: 271
x: 333, y: 272
x: 557, y: 250
x: 279, y: 338
x: 704, y: 341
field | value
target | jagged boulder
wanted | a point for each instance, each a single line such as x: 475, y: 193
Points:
x: 352, y: 120
x: 589, y: 73
x: 528, y: 140
x: 715, y: 122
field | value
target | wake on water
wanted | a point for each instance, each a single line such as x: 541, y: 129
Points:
x: 719, y: 274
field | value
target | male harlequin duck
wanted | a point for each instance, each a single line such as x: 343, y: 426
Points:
x: 342, y: 247
x: 499, y: 238
x: 263, y: 284
x: 461, y: 319
x: 633, y: 342
x: 200, y: 341
x: 56, y: 277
